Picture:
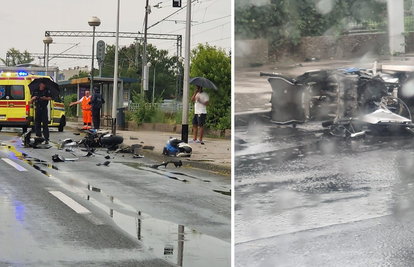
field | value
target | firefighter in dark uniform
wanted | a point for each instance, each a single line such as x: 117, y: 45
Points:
x: 41, y: 98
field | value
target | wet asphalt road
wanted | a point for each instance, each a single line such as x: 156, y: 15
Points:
x: 306, y: 200
x: 130, y: 214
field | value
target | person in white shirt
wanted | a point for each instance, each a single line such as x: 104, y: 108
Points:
x: 201, y: 100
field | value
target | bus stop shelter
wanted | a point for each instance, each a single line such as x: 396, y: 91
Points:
x: 105, y: 84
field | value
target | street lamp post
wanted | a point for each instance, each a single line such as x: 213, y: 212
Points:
x: 94, y: 22
x: 47, y: 40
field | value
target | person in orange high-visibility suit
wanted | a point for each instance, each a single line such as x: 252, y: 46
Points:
x: 86, y: 110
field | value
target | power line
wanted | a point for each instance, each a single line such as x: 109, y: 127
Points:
x: 169, y: 15
x: 211, y: 4
x: 212, y: 28
x: 203, y: 21
x: 179, y: 10
x: 200, y: 24
x: 213, y: 20
x: 214, y: 41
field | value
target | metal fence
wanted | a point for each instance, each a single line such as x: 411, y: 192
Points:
x: 375, y: 26
x: 168, y: 107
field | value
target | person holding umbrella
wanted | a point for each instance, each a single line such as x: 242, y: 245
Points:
x: 41, y: 98
x: 86, y: 110
x: 201, y: 100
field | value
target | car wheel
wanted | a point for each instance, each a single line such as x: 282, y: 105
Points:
x: 62, y: 124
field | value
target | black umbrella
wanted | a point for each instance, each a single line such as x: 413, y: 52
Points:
x: 51, y: 85
x: 203, y: 82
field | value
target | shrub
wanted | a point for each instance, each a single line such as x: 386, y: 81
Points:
x: 70, y: 111
x: 145, y: 112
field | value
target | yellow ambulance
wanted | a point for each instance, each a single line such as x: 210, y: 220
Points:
x: 15, y: 108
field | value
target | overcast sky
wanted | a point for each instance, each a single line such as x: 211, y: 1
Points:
x: 24, y: 24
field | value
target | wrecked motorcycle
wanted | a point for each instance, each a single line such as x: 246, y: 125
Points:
x: 100, y: 139
x: 29, y: 141
x: 367, y: 106
x: 379, y: 121
x: 177, y: 148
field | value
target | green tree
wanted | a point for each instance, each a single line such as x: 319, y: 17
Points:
x: 81, y: 74
x: 15, y: 57
x: 165, y: 76
x: 164, y: 65
x: 282, y: 21
x: 214, y: 64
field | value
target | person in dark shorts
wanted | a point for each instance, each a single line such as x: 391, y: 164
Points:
x: 201, y: 101
x: 41, y: 98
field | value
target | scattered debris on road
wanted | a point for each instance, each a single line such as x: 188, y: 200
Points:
x: 176, y: 164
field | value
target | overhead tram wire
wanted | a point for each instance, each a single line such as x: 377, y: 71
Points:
x: 225, y: 38
x: 212, y: 28
x: 66, y: 50
x: 172, y: 14
x: 201, y: 24
x: 179, y: 10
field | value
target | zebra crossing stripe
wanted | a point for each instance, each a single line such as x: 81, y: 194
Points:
x: 15, y: 165
x: 78, y: 208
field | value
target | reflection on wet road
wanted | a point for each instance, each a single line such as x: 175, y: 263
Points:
x: 175, y: 243
x: 293, y: 182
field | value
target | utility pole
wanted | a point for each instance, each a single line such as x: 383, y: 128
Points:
x: 115, y: 95
x: 144, y: 53
x: 184, y: 126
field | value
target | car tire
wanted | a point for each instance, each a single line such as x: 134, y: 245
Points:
x: 62, y: 124
x: 0, y: 128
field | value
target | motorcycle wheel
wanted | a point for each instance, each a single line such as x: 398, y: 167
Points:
x: 111, y: 140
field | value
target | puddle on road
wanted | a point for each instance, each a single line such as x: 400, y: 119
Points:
x: 175, y: 243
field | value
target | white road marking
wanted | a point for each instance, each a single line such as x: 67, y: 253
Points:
x: 78, y: 208
x: 15, y: 165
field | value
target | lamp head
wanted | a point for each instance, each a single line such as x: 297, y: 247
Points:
x: 94, y: 21
x: 47, y: 40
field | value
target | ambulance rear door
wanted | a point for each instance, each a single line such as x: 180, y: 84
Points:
x: 13, y: 105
